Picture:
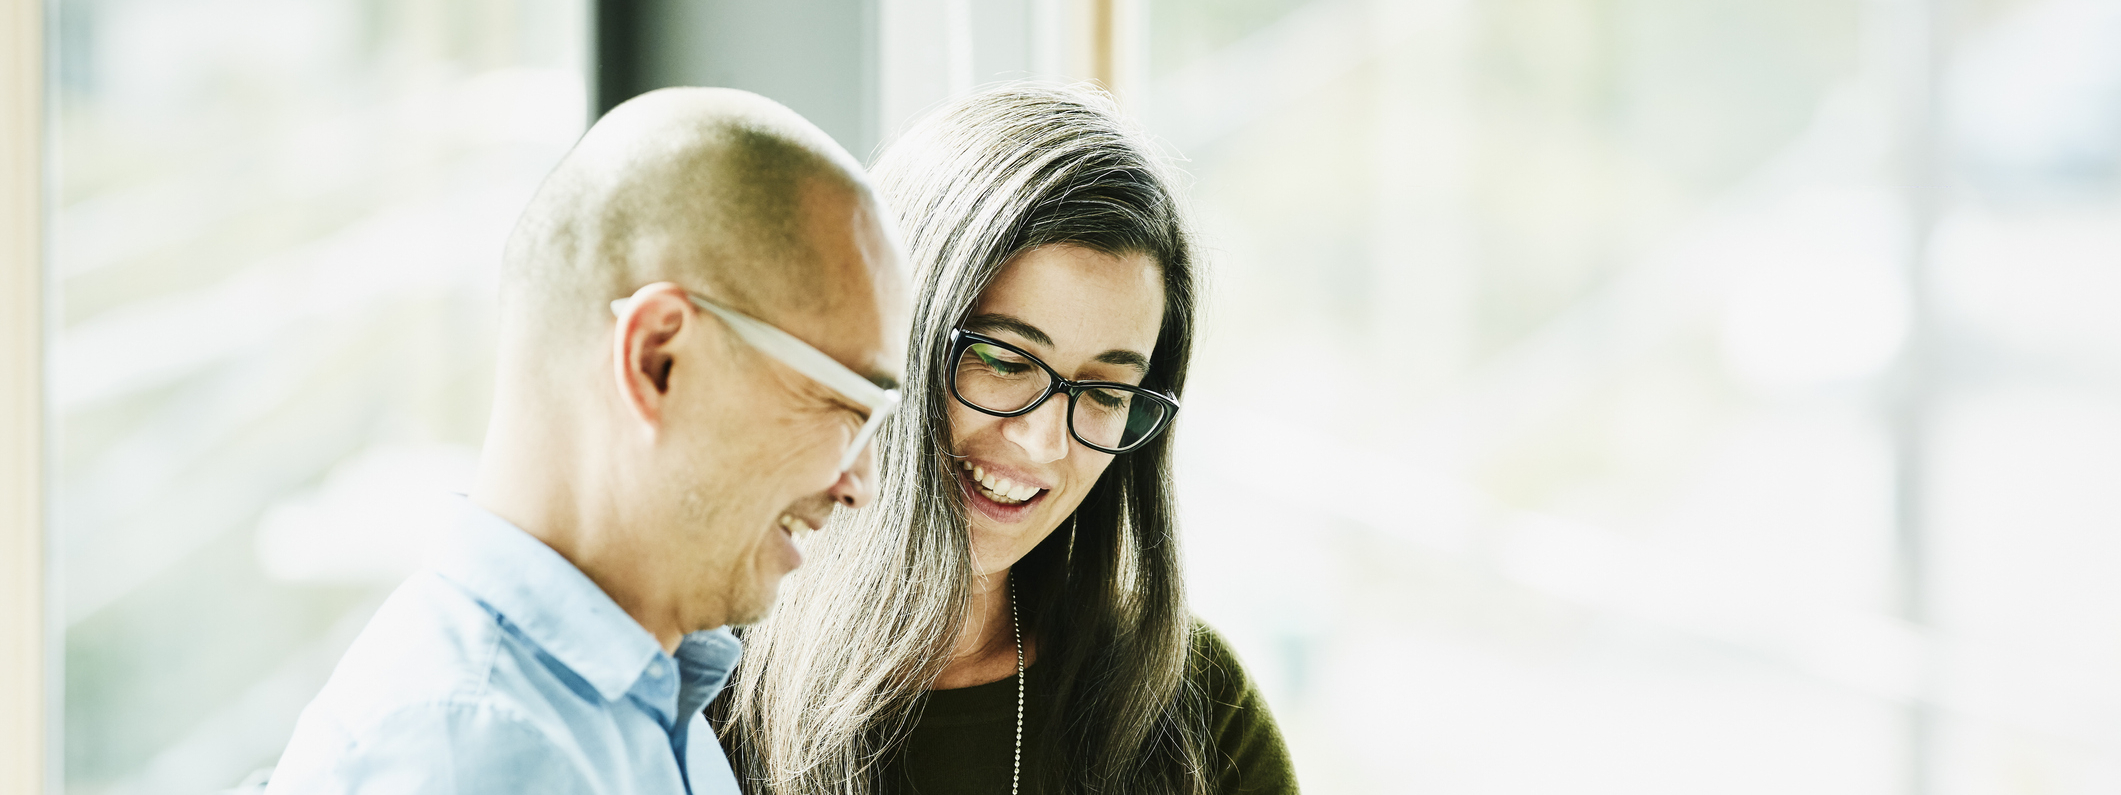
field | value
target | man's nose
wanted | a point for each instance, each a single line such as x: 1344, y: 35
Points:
x: 1043, y: 433
x: 857, y: 485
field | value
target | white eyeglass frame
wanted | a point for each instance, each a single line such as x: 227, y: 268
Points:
x: 809, y: 361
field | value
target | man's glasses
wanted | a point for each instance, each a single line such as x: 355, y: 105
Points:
x: 997, y: 378
x: 809, y: 361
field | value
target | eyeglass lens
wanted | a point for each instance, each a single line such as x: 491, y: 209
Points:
x: 999, y: 379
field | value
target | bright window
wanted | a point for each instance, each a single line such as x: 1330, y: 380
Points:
x: 1658, y: 396
x: 1652, y: 408
x: 276, y: 235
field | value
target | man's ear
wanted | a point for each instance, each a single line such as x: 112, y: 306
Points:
x: 644, y: 354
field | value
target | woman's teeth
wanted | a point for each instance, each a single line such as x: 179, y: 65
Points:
x: 998, y: 488
x: 796, y: 527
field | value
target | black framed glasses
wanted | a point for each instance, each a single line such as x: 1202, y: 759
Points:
x: 997, y: 378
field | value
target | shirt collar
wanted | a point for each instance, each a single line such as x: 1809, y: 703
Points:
x: 704, y: 660
x: 676, y: 687
x: 559, y: 608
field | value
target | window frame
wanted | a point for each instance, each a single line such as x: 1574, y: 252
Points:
x: 25, y: 742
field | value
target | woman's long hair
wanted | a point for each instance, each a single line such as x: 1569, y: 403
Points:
x: 837, y: 676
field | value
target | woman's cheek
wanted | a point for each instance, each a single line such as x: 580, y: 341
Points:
x: 960, y: 426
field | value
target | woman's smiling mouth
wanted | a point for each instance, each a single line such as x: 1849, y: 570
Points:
x: 998, y: 489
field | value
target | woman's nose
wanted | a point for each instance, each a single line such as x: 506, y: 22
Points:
x: 1043, y: 433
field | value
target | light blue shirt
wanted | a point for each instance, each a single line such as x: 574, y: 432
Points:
x: 505, y: 670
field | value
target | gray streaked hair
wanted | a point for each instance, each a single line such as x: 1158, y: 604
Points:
x: 832, y: 682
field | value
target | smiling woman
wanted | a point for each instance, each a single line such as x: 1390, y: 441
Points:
x: 1009, y: 615
x: 1014, y: 448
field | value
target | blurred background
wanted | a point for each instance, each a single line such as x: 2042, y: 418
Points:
x: 1597, y: 396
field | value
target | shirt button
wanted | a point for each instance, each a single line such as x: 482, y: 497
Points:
x: 655, y: 669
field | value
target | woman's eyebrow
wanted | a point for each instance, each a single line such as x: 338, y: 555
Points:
x: 999, y: 322
x: 995, y: 321
x: 1125, y: 358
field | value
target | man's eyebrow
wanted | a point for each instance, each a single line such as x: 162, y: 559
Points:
x: 999, y: 322
x: 1125, y: 358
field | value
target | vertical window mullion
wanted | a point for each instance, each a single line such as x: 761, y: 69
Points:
x: 23, y: 694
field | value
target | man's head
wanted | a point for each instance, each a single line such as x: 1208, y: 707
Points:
x: 658, y: 450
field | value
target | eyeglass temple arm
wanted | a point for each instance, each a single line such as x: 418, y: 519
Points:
x: 797, y: 354
x: 810, y: 362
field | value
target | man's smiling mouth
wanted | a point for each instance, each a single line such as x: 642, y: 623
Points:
x: 997, y: 488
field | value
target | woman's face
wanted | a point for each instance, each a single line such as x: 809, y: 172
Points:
x: 1091, y: 317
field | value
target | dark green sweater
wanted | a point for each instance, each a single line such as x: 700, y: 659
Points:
x: 965, y: 737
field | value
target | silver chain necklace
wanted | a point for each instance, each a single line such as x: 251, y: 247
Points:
x: 1017, y: 631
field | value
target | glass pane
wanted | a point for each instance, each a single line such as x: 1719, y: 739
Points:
x: 277, y: 231
x: 2026, y: 446
x: 1534, y: 441
x: 999, y: 379
x: 1604, y: 315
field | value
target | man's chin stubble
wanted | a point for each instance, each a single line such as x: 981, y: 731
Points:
x: 750, y: 611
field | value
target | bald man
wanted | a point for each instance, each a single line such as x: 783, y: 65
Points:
x: 703, y: 314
